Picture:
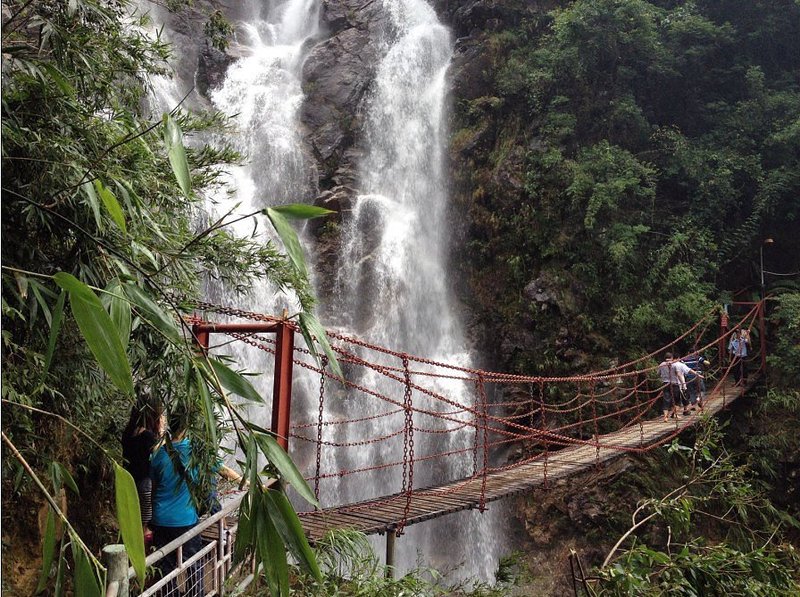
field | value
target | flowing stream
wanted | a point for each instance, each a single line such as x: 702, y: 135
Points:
x: 392, y: 281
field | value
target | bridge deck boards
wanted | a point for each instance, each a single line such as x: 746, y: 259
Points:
x: 386, y: 513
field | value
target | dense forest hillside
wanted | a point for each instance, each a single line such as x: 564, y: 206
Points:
x: 619, y: 164
x: 616, y: 169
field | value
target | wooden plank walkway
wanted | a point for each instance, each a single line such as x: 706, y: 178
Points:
x: 383, y: 514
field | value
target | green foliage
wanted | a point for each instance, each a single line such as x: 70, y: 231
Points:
x: 350, y: 568
x: 717, y: 493
x: 697, y: 569
x: 102, y: 205
x: 218, y: 29
x: 784, y: 360
x: 655, y: 145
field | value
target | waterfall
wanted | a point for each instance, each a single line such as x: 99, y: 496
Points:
x: 391, y: 286
x: 392, y: 282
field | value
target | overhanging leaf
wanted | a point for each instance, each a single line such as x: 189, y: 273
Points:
x: 244, y: 533
x: 286, y: 467
x: 271, y: 553
x: 120, y: 310
x: 98, y: 330
x: 173, y: 138
x: 291, y: 530
x: 60, y: 80
x: 111, y: 204
x: 37, y: 290
x: 153, y: 313
x: 94, y: 203
x: 289, y: 238
x: 235, y: 382
x: 301, y: 211
x: 130, y: 518
x: 311, y: 328
x: 48, y: 547
x: 58, y: 589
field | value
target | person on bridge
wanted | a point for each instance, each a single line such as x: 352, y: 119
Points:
x: 695, y: 380
x: 673, y: 374
x: 739, y: 347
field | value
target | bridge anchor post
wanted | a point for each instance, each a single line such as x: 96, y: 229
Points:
x: 390, y: 539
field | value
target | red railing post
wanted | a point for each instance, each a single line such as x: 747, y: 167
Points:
x: 282, y: 392
x: 200, y: 337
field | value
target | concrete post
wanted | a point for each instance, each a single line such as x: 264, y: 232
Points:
x: 115, y: 559
x: 390, y: 538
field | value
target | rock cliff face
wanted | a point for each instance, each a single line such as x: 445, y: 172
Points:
x: 337, y: 75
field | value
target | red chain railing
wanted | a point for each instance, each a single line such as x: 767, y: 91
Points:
x: 399, y: 417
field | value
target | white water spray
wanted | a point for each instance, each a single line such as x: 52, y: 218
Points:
x: 392, y: 286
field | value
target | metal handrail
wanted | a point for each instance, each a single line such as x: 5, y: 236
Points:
x: 232, y: 503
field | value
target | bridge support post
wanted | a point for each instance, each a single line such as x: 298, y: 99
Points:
x: 390, y: 539
x: 282, y: 392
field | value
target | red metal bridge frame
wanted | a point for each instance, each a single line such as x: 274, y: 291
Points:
x: 284, y: 348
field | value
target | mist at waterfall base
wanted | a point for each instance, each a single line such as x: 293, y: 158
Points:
x: 391, y: 284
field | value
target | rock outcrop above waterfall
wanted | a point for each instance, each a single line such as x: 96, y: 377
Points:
x: 336, y: 77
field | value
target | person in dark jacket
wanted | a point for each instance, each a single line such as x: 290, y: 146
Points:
x: 138, y: 442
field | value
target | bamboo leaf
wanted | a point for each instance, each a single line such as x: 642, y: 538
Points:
x: 286, y: 467
x: 94, y: 203
x: 234, y: 382
x: 288, y: 525
x: 60, y: 80
x: 37, y: 289
x: 154, y: 314
x: 111, y: 204
x: 86, y: 583
x: 130, y: 518
x: 65, y: 476
x: 271, y: 553
x: 173, y: 138
x: 55, y: 327
x: 207, y: 406
x: 301, y: 211
x: 48, y: 547
x: 311, y: 328
x: 98, y: 330
x: 61, y: 571
x: 244, y: 532
x: 289, y: 238
x: 120, y: 310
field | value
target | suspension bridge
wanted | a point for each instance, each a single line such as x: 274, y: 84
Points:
x: 400, y: 439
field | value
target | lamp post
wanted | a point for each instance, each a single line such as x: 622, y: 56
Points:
x: 767, y: 241
x: 762, y: 308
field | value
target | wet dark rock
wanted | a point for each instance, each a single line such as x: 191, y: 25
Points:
x: 336, y: 78
x: 541, y: 291
x: 212, y: 64
x: 470, y: 69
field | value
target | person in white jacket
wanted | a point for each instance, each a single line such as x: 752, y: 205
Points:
x: 673, y: 375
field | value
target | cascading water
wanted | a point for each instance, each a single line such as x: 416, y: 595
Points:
x: 392, y: 282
